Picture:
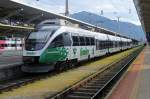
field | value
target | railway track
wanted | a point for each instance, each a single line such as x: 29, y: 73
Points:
x: 23, y: 80
x: 99, y: 84
x: 91, y: 85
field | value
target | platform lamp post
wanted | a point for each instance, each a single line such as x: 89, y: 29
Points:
x: 116, y: 43
x: 118, y: 20
x: 118, y: 26
x: 67, y: 8
x: 101, y: 21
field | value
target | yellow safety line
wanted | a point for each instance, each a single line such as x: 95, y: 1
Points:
x: 137, y: 81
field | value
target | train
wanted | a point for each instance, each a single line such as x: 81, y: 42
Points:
x: 54, y: 46
x: 10, y: 43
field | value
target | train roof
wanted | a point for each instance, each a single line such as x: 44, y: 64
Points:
x: 114, y: 38
x: 82, y: 32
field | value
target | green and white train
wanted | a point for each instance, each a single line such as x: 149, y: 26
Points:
x: 54, y: 46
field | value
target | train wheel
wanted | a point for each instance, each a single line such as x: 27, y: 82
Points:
x: 72, y: 65
x: 59, y: 67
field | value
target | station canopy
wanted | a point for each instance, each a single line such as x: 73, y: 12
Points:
x: 143, y: 9
x: 16, y: 16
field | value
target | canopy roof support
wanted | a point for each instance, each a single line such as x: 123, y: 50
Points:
x: 34, y: 18
x: 12, y: 14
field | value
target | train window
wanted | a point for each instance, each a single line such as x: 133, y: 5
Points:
x: 102, y: 45
x: 116, y: 44
x: 88, y: 41
x: 128, y: 43
x: 67, y: 40
x: 120, y: 43
x: 110, y: 44
x: 75, y: 41
x: 123, y: 43
x: 92, y: 41
x: 82, y: 41
x: 97, y: 44
x: 105, y: 44
x: 57, y: 42
x: 38, y: 39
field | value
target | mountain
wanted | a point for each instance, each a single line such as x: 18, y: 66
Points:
x: 124, y: 28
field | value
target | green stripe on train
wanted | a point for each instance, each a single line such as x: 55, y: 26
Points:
x: 53, y: 55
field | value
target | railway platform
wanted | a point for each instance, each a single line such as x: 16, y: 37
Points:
x: 10, y: 58
x: 135, y: 84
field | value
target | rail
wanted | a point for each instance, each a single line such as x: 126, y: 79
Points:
x: 96, y: 85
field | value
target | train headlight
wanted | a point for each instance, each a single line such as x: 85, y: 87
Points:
x: 30, y: 59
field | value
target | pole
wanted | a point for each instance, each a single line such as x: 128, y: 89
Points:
x: 118, y: 24
x: 67, y: 8
x: 118, y: 18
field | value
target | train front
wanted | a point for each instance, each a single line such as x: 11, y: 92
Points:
x: 35, y: 45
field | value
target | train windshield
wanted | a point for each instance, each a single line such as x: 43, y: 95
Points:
x: 37, y: 40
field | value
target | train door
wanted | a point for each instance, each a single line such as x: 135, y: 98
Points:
x: 84, y: 51
x: 108, y: 44
x: 75, y: 48
x: 67, y: 43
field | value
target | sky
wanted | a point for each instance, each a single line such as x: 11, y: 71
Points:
x: 111, y: 8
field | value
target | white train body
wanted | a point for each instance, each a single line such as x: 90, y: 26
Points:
x: 51, y: 46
